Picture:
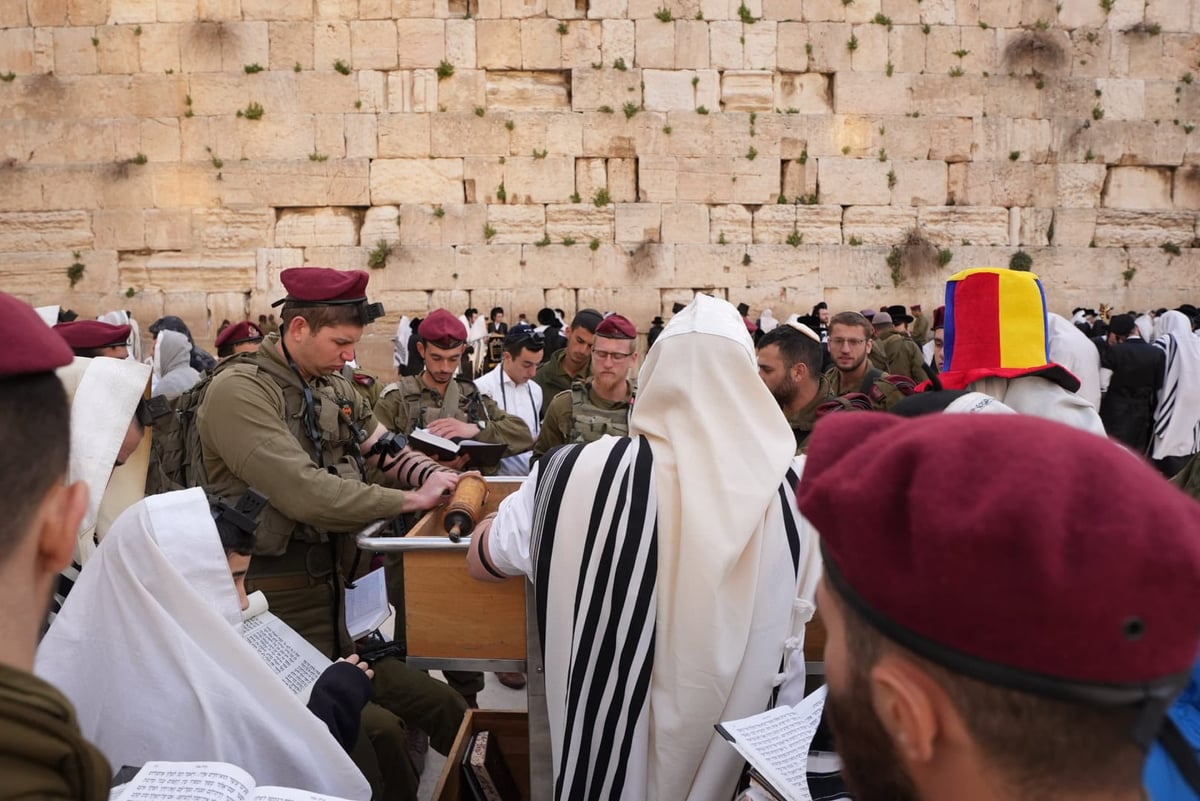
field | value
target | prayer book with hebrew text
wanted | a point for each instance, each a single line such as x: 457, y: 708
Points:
x: 483, y: 454
x: 776, y: 744
x: 206, y: 781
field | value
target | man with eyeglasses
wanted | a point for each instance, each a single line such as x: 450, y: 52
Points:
x: 601, y: 404
x: 572, y: 363
x: 850, y: 344
x: 510, y: 384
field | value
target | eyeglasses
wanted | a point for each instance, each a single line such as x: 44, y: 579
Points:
x: 603, y: 355
x: 838, y: 342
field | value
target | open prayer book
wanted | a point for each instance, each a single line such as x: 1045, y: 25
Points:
x: 205, y: 781
x: 297, y: 663
x: 776, y: 743
x: 483, y: 454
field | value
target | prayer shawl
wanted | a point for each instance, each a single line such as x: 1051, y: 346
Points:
x: 666, y: 571
x: 1040, y: 397
x: 1177, y: 416
x: 1071, y: 348
x: 148, y: 648
x: 134, y: 342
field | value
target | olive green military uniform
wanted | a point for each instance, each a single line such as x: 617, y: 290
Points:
x: 367, y: 385
x: 901, y: 356
x: 254, y: 433
x: 883, y: 393
x: 803, y: 421
x: 553, y: 378
x: 409, y: 404
x: 919, y: 328
x: 43, y: 754
x: 580, y: 415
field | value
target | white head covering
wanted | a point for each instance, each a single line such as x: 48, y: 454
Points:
x: 1071, y: 348
x: 719, y: 457
x: 767, y: 322
x: 403, y: 334
x: 104, y: 394
x: 173, y: 371
x: 977, y: 403
x: 1177, y: 415
x: 134, y: 342
x: 148, y: 648
x: 1145, y: 327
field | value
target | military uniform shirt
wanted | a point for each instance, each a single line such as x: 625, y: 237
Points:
x: 556, y: 427
x: 884, y: 394
x: 802, y: 422
x: 553, y: 379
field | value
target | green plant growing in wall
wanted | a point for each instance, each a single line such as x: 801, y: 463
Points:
x: 541, y: 243
x: 721, y: 240
x: 378, y: 257
x: 944, y: 256
x: 880, y: 19
x: 480, y: 111
x: 568, y: 240
x: 130, y: 292
x: 76, y: 269
x: 855, y: 241
x: 701, y: 110
x: 630, y: 109
x: 746, y: 259
x: 752, y: 154
x: 956, y: 72
x: 140, y: 158
x: 253, y: 111
x: 8, y: 77
x: 619, y: 64
x: 502, y: 193
x: 1021, y: 262
x: 795, y: 238
x: 852, y: 44
x: 895, y: 260
x: 488, y: 232
x: 1014, y: 155
x: 606, y: 109
x: 891, y: 179
x: 745, y: 16
x: 601, y: 198
x: 316, y: 156
x: 563, y: 29
x: 342, y: 67
x: 253, y: 68
x: 1127, y: 275
x: 663, y: 14
x: 594, y: 244
x: 444, y: 70
x: 1171, y: 248
x: 539, y: 154
x: 438, y: 211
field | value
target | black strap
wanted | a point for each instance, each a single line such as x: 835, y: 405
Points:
x: 1182, y: 753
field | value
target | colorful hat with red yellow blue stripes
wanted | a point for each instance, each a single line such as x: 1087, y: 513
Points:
x: 996, y: 327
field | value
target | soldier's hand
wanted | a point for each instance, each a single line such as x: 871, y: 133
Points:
x: 434, y: 492
x: 450, y: 428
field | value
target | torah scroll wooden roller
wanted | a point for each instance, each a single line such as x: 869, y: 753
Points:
x: 465, y: 507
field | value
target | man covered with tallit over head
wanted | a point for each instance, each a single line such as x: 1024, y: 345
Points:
x: 148, y: 648
x: 671, y: 569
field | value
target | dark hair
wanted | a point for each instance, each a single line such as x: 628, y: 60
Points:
x: 853, y: 318
x: 495, y: 310
x: 226, y: 350
x: 92, y: 353
x: 35, y: 419
x: 319, y: 317
x: 546, y: 316
x: 1045, y: 747
x: 523, y: 339
x: 234, y: 540
x: 587, y: 319
x: 794, y: 347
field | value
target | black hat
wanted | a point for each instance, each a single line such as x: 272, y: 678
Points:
x: 676, y: 308
x: 743, y: 309
x: 899, y: 314
x: 1122, y: 325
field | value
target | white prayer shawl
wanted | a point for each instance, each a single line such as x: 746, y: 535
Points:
x: 1145, y: 327
x: 134, y: 342
x: 1177, y: 415
x: 148, y: 648
x: 767, y: 323
x: 104, y: 394
x: 403, y: 334
x: 1071, y: 348
x: 1039, y: 397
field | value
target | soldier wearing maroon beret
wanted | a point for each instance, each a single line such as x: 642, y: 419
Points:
x: 601, y: 403
x: 1016, y: 636
x: 94, y: 338
x: 285, y: 421
x: 42, y: 752
x: 243, y: 337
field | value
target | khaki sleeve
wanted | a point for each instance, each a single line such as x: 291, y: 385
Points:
x: 392, y: 413
x: 506, y: 428
x: 556, y: 428
x: 242, y: 426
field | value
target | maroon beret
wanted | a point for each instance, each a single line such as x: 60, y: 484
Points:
x: 322, y: 285
x: 235, y: 334
x: 939, y: 317
x: 442, y: 327
x: 1024, y: 553
x: 614, y: 326
x: 83, y: 334
x: 30, y: 345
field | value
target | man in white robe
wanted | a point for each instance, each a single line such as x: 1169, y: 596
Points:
x: 690, y: 571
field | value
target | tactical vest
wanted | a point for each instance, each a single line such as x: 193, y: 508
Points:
x: 589, y: 422
x: 334, y: 402
x: 462, y: 401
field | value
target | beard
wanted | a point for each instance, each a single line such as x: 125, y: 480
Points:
x: 784, y: 391
x: 871, y: 766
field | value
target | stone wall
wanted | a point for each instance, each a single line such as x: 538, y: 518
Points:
x: 608, y: 153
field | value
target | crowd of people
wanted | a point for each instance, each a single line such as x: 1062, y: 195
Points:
x: 1005, y: 571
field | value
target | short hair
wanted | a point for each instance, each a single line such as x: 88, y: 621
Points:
x: 91, y: 353
x: 1044, y: 746
x: 794, y: 347
x: 35, y: 418
x: 587, y: 319
x: 322, y: 316
x: 234, y: 539
x: 226, y: 350
x: 852, y: 318
x: 530, y: 341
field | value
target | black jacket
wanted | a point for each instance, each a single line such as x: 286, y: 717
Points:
x: 1127, y: 409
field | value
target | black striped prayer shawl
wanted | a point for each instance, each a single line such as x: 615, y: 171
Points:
x: 613, y: 618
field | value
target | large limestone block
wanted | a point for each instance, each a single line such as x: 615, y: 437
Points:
x: 558, y: 134
x: 622, y: 180
x: 74, y: 52
x: 362, y: 136
x: 1138, y: 188
x: 1074, y: 227
x: 658, y: 179
x: 761, y: 49
x: 705, y: 134
x: 842, y: 268
x: 638, y: 222
x: 819, y: 225
x: 640, y: 304
x: 541, y: 44
x: 422, y: 42
x: 829, y: 52
x: 790, y: 53
x: 168, y: 229
x: 1145, y: 229
x: 691, y: 44
x: 867, y: 93
x: 654, y: 44
x: 468, y: 135
x: 906, y: 48
x: 373, y: 44
x: 285, y: 183
x: 483, y: 179
x: 529, y: 179
x: 724, y: 180
x: 331, y: 41
x: 919, y: 183
x: 51, y: 230
x: 878, y: 225
x: 726, y: 43
x: 807, y: 93
x: 618, y: 41
x: 1036, y: 225
x: 417, y: 181
x: 747, y: 91
x: 685, y: 223
x: 191, y: 272
x: 517, y: 224
x: 851, y: 182
x: 871, y: 55
x: 480, y: 266
x: 528, y: 90
x: 232, y: 229
x: 42, y: 277
x: 329, y: 135
x: 732, y: 224
x: 582, y: 222
x: 1079, y: 186
x: 951, y: 225
x: 461, y: 45
x: 1122, y: 99
x: 615, y: 136
x: 1185, y: 192
x: 412, y: 91
x: 942, y: 95
x: 342, y: 257
x: 290, y: 43
x: 324, y: 227
x: 592, y: 88
x: 411, y: 267
x: 591, y: 175
x: 16, y: 50
x: 773, y: 224
x: 410, y: 224
x: 117, y: 229
x: 583, y: 44
x: 781, y: 267
x: 281, y: 137
x: 669, y: 90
